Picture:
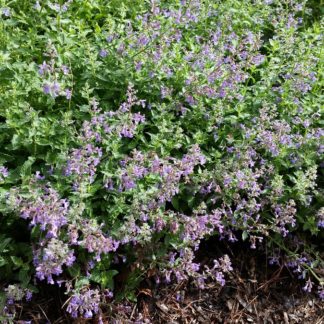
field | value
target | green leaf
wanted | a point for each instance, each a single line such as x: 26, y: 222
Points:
x: 18, y: 262
x: 96, y: 276
x: 245, y: 235
x: 175, y: 202
x: 107, y: 279
x: 26, y: 167
x: 4, y: 242
x: 82, y: 282
x: 24, y: 276
x: 104, y: 278
x: 74, y: 271
x: 131, y: 297
x: 3, y: 261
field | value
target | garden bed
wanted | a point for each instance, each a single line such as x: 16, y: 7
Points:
x: 161, y: 161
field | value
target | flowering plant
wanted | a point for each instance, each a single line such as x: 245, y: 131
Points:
x: 129, y: 136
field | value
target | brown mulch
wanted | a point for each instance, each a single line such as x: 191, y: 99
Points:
x: 254, y: 293
x: 243, y: 301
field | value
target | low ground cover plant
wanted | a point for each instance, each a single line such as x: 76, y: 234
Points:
x: 131, y: 131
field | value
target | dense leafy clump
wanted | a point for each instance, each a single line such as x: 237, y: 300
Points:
x: 130, y: 131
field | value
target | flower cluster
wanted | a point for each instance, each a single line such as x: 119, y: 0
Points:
x: 59, y: 7
x: 168, y: 170
x: 101, y: 130
x: 84, y: 303
x: 47, y: 210
x: 94, y: 240
x: 83, y: 162
x: 50, y: 258
x: 285, y: 215
x: 15, y: 293
x: 183, y: 268
x: 55, y: 75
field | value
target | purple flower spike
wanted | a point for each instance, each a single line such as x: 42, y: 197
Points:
x: 103, y: 53
x: 88, y: 314
x: 47, y: 88
x: 6, y: 12
x: 3, y: 173
x: 29, y: 295
x: 43, y: 68
x: 85, y: 304
x: 38, y: 176
x: 309, y: 285
x: 68, y: 94
x: 65, y: 69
